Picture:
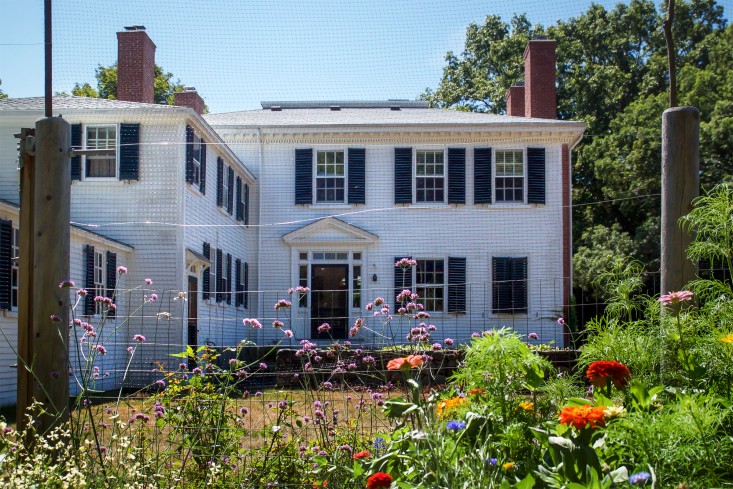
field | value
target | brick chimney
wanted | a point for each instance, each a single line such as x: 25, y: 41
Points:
x: 135, y: 65
x: 515, y: 100
x: 539, y: 79
x: 189, y: 97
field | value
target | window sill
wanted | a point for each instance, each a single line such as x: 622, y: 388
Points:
x: 335, y: 205
x: 106, y: 180
x: 224, y: 211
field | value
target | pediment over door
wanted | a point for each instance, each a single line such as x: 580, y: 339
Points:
x: 330, y: 231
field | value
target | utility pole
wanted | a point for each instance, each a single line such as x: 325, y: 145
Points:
x: 43, y: 306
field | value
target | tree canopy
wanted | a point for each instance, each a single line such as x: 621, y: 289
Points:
x: 163, y: 85
x: 3, y: 95
x: 612, y: 75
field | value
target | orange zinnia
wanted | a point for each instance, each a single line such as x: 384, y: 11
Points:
x: 405, y: 363
x: 580, y: 416
x: 362, y: 454
x: 599, y: 372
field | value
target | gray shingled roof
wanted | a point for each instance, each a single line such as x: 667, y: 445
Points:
x: 65, y: 102
x: 369, y: 117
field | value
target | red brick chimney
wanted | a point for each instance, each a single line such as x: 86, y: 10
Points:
x: 515, y: 100
x: 135, y: 65
x: 189, y: 97
x: 539, y: 79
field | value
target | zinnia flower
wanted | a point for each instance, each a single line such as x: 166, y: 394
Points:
x: 508, y: 466
x: 580, y: 416
x: 599, y: 372
x: 379, y: 480
x: 405, y: 363
x: 673, y: 298
x: 362, y: 454
x: 728, y: 339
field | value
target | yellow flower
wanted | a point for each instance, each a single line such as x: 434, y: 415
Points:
x: 614, y: 412
x: 508, y: 466
x: 527, y: 406
x: 728, y: 339
x: 450, y: 404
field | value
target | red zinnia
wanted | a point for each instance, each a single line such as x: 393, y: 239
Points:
x: 599, y: 372
x: 380, y: 479
x: 580, y: 416
x: 362, y: 454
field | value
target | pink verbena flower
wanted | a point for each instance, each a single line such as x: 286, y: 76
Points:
x: 282, y: 304
x: 251, y: 322
x: 533, y: 336
x: 66, y: 283
x: 121, y: 270
x: 448, y: 341
x: 148, y: 281
x: 324, y: 328
x: 288, y: 333
x: 673, y: 298
x: 101, y: 350
x: 138, y: 337
x: 405, y: 262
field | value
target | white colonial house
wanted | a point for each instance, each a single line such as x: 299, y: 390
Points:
x: 228, y: 211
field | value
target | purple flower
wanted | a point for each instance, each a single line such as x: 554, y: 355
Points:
x: 153, y: 297
x: 437, y: 346
x: 282, y: 304
x: 288, y: 333
x: 196, y: 371
x: 282, y: 404
x: 129, y: 349
x: 561, y: 321
x: 324, y: 328
x: 258, y: 394
x: 139, y: 338
x: 66, y: 283
x: 448, y: 341
x: 455, y: 426
x: 277, y: 324
x: 533, y: 336
x: 160, y: 383
x: 263, y: 365
x: 253, y: 323
x: 82, y: 292
x: 121, y: 270
x: 148, y: 281
x: 405, y: 263
x: 101, y: 350
x: 639, y: 478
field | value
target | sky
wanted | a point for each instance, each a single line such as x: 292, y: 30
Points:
x: 240, y: 52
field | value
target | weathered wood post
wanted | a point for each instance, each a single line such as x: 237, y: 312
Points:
x: 43, y: 316
x: 680, y: 185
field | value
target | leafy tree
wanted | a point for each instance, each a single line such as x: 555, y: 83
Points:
x: 3, y: 95
x: 612, y: 75
x: 163, y: 85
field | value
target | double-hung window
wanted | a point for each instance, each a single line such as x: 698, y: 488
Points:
x: 430, y: 283
x: 101, y: 137
x: 430, y: 176
x: 330, y: 176
x: 509, y: 176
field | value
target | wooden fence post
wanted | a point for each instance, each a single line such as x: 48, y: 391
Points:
x: 680, y: 185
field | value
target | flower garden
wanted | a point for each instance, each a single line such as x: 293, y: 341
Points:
x: 650, y: 404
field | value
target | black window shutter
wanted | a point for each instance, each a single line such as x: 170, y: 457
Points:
x: 240, y: 204
x: 246, y: 285
x: 6, y: 263
x: 403, y: 175
x: 402, y: 279
x: 238, y: 282
x: 206, y: 288
x: 89, y: 280
x: 202, y: 180
x: 130, y: 151
x: 111, y: 277
x: 456, y: 284
x: 219, y: 270
x: 76, y: 144
x: 357, y: 175
x: 219, y: 182
x: 536, y: 175
x: 304, y: 176
x: 456, y: 175
x: 482, y: 176
x: 509, y: 287
x: 229, y: 279
x: 246, y: 204
x: 189, y: 154
x: 230, y: 197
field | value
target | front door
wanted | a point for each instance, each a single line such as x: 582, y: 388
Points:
x: 329, y: 300
x: 193, y: 314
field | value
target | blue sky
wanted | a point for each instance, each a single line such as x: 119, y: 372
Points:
x: 240, y: 52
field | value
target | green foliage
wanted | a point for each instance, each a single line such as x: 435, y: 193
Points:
x: 163, y: 85
x: 3, y: 95
x: 598, y: 247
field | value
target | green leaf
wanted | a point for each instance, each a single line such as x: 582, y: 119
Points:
x: 526, y: 483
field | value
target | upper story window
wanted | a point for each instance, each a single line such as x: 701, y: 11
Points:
x: 430, y: 176
x: 330, y: 176
x: 509, y: 182
x: 101, y: 137
x: 196, y: 149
